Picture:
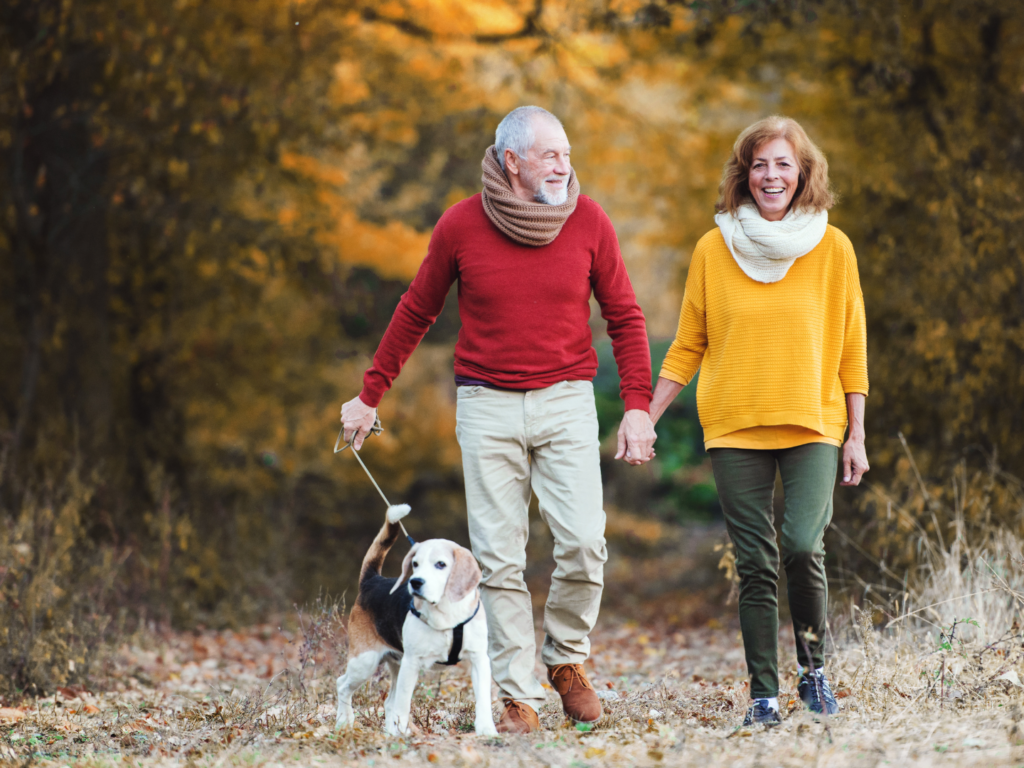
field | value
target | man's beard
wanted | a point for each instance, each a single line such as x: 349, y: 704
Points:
x: 543, y: 195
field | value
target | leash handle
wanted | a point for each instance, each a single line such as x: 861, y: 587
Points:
x: 376, y: 429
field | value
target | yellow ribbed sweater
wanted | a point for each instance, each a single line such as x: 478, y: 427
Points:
x: 779, y: 355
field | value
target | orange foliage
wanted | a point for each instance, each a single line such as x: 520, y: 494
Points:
x: 212, y: 207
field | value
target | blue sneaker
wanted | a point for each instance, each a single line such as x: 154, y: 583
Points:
x: 816, y: 693
x: 762, y: 714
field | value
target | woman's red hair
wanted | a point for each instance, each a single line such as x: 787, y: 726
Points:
x: 813, y: 191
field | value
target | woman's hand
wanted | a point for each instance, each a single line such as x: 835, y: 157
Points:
x: 855, y: 458
x: 636, y: 433
x: 855, y: 461
x: 636, y: 438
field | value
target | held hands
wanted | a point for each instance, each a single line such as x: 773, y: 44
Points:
x: 357, y: 418
x: 636, y: 438
x: 855, y: 461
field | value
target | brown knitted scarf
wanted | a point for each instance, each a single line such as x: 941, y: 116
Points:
x: 526, y: 223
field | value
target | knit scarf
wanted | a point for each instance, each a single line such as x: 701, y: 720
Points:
x: 527, y: 223
x: 765, y: 250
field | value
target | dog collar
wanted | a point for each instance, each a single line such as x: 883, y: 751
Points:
x: 456, y: 649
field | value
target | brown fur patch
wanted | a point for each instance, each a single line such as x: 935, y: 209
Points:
x: 465, y: 575
x: 374, y: 559
x: 362, y: 635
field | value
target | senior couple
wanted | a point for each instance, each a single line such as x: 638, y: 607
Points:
x: 772, y: 315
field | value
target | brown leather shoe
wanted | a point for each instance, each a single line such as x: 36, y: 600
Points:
x: 518, y: 718
x: 579, y: 700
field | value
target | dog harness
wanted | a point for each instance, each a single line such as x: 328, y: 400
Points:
x: 456, y: 649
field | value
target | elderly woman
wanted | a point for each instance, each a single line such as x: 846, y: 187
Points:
x: 773, y: 316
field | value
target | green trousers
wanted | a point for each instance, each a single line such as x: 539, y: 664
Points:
x: 746, y: 483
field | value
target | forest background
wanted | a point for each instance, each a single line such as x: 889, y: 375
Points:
x: 209, y: 210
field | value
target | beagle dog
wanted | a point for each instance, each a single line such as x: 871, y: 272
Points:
x: 435, y: 619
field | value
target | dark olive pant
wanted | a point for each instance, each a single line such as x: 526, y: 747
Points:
x: 746, y: 483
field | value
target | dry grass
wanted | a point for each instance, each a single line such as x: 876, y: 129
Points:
x: 675, y: 699
x: 926, y: 675
x: 910, y: 695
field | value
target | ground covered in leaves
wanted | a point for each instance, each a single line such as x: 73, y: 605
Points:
x: 672, y: 696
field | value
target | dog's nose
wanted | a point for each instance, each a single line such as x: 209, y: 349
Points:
x: 416, y: 584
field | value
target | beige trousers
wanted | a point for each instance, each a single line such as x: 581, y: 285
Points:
x: 544, y: 441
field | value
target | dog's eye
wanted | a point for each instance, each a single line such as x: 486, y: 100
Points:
x: 415, y: 564
x: 440, y: 565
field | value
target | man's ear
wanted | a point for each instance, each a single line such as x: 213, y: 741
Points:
x: 465, y: 575
x: 406, y: 569
x: 511, y: 162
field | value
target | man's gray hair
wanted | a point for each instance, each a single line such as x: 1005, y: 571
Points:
x: 515, y: 131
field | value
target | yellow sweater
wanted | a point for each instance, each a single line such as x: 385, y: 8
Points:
x: 776, y: 359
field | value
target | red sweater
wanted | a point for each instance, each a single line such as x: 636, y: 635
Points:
x: 525, y: 310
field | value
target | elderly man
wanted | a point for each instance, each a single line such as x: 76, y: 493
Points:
x: 528, y: 251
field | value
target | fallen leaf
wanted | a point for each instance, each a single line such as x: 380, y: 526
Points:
x: 1010, y: 677
x: 10, y: 715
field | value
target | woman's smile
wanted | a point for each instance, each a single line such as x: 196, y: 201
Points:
x: 774, y: 177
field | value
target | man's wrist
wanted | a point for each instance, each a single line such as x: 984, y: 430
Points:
x: 637, y: 403
x: 369, y: 400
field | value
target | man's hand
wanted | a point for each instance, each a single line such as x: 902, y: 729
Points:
x: 855, y: 461
x: 636, y: 438
x: 357, y: 418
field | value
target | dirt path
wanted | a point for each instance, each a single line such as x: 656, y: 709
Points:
x: 265, y: 697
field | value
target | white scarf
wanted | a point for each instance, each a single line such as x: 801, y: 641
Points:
x: 765, y: 250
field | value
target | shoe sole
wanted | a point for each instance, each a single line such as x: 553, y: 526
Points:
x: 816, y: 713
x: 585, y: 722
x: 518, y: 732
x: 818, y: 716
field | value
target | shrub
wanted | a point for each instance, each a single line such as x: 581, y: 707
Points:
x: 53, y: 590
x: 944, y: 552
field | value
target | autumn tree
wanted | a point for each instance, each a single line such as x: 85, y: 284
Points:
x: 211, y: 208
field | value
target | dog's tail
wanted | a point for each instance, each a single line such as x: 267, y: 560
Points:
x: 386, y: 539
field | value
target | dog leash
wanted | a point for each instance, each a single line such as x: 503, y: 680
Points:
x: 376, y: 429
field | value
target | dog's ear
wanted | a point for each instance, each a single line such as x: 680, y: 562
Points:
x: 406, y: 569
x: 465, y: 575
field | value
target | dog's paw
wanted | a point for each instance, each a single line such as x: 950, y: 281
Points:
x: 346, y: 718
x: 397, y: 726
x: 485, y: 729
x: 397, y: 511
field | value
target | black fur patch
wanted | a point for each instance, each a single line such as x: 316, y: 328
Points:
x: 388, y: 611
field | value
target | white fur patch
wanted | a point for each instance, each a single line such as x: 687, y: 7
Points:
x: 397, y: 511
